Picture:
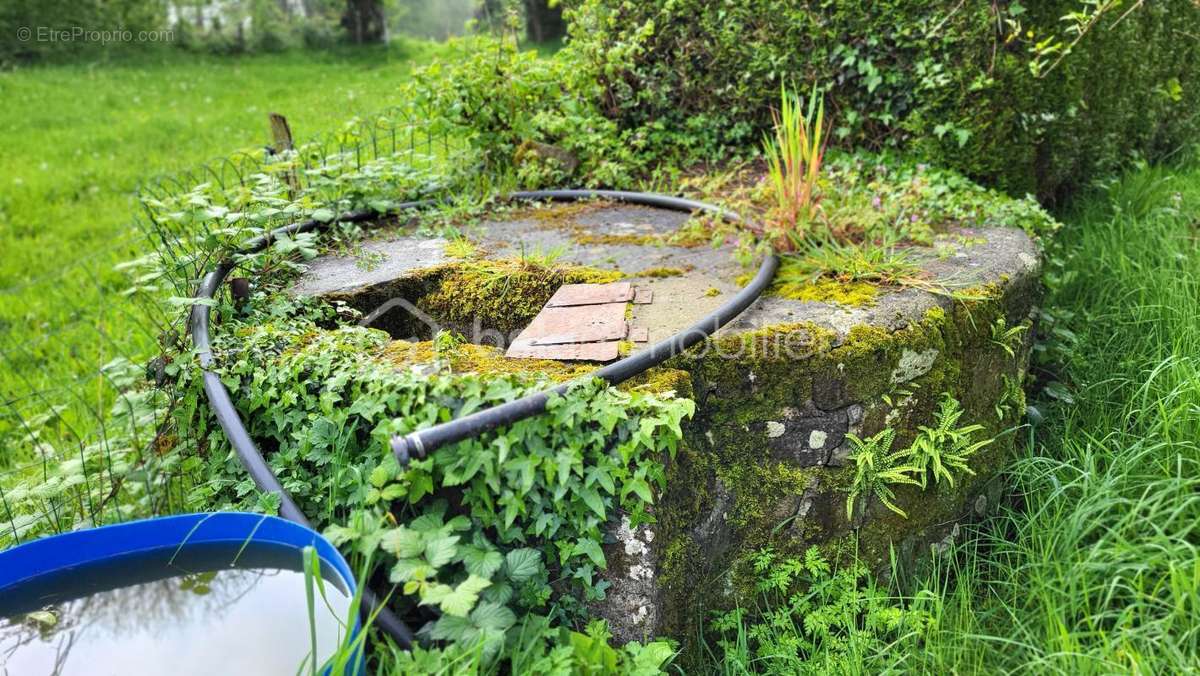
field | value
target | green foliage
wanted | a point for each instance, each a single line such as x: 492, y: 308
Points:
x: 535, y: 646
x: 1008, y: 338
x: 529, y: 115
x: 113, y: 474
x: 873, y: 209
x: 44, y: 18
x: 971, y: 86
x: 943, y: 450
x: 886, y: 195
x: 84, y: 139
x: 809, y: 618
x: 1089, y: 566
x: 528, y: 500
x: 876, y: 469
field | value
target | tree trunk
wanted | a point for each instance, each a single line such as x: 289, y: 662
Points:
x: 364, y: 20
x: 543, y: 22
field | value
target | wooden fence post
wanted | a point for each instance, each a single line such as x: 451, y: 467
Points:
x: 281, y: 132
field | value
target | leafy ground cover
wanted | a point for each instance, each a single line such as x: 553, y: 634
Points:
x: 1091, y: 566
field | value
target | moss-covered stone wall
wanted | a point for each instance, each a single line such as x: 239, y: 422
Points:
x: 766, y: 459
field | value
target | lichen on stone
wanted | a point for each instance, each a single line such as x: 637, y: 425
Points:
x: 741, y: 481
x: 913, y: 364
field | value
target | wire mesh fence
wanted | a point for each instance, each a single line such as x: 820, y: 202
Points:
x: 85, y: 414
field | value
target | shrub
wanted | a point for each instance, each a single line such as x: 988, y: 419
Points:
x: 533, y: 116
x: 973, y: 86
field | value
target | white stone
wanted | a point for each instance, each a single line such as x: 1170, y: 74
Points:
x: 817, y: 439
x: 775, y: 429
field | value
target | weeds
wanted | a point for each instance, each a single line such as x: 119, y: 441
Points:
x: 943, y: 449
x: 794, y: 155
x: 1091, y: 565
x: 876, y: 469
x: 1008, y: 338
x: 810, y: 617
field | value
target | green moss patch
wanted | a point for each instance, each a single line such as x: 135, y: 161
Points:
x: 852, y: 294
x: 502, y: 294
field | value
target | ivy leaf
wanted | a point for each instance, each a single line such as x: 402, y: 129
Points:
x: 523, y: 564
x: 650, y: 658
x: 323, y: 215
x: 592, y: 499
x: 602, y: 477
x: 590, y: 548
x: 639, y: 486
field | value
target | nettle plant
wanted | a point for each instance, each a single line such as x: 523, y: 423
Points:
x: 941, y: 452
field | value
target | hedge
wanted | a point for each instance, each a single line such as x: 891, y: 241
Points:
x: 951, y: 81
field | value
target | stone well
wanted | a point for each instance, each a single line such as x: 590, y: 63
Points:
x: 765, y: 459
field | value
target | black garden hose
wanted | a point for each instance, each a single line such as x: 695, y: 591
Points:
x: 425, y: 441
x: 227, y: 415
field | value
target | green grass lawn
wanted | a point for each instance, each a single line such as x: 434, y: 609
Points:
x: 77, y: 141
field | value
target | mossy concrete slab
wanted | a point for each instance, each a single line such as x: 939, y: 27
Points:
x: 779, y: 391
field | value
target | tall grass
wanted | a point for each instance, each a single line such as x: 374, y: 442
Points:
x: 794, y: 153
x: 1093, y: 567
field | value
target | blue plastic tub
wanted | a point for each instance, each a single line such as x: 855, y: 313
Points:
x: 204, y: 591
